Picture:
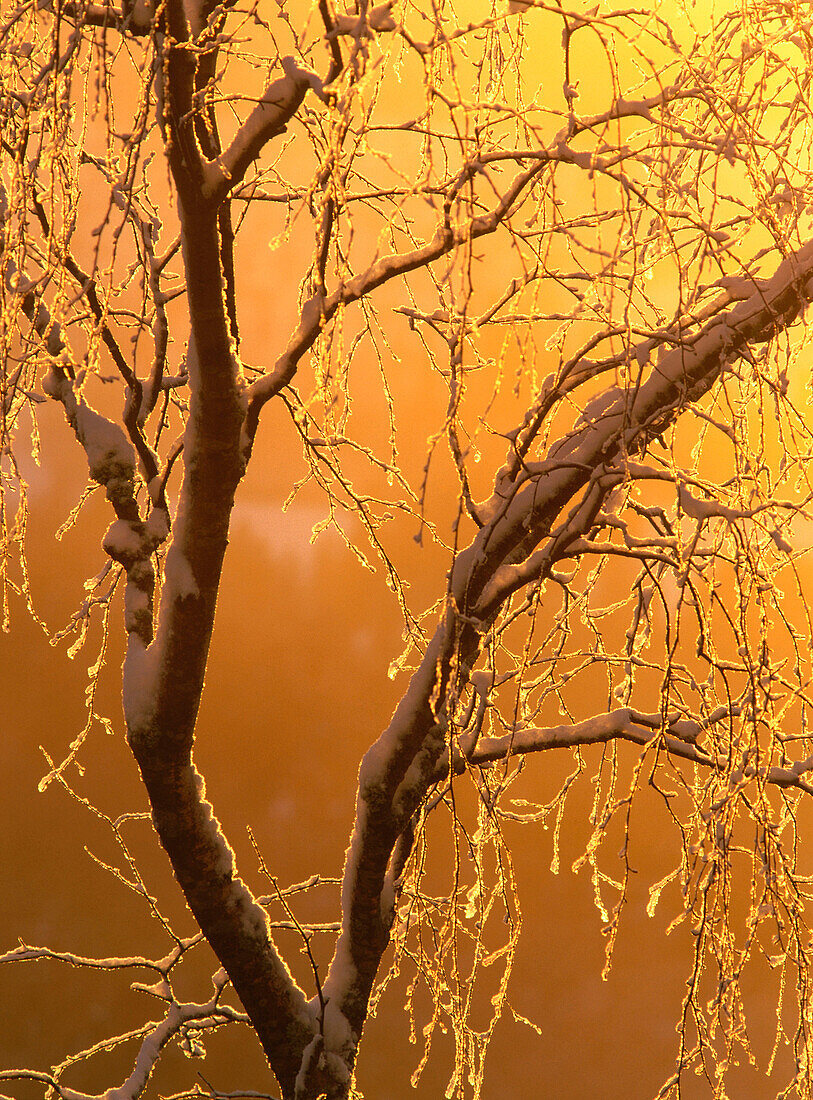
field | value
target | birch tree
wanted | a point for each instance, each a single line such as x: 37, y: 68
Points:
x: 592, y: 229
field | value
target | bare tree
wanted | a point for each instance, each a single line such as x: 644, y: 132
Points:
x: 605, y: 272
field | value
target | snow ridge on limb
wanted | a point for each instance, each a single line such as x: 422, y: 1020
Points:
x: 280, y: 102
x: 111, y: 464
x: 411, y: 754
x: 163, y: 681
x: 132, y: 18
x: 613, y: 426
x: 152, y: 1038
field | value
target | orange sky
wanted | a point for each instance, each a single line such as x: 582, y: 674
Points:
x: 297, y: 689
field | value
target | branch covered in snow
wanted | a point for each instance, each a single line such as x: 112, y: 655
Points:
x: 280, y: 102
x: 549, y: 505
x: 179, y: 1021
x: 135, y: 19
x: 163, y: 680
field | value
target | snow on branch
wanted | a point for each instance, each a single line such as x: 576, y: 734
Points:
x: 678, y: 735
x: 180, y: 1023
x: 26, y: 953
x: 110, y: 456
x: 111, y: 462
x: 534, y: 519
x: 612, y: 426
x: 269, y: 118
x: 45, y: 1079
x: 132, y: 18
x: 359, y: 26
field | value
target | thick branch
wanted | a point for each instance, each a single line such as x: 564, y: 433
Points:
x: 137, y: 21
x: 402, y: 764
x: 269, y: 118
x: 615, y: 425
x: 163, y: 682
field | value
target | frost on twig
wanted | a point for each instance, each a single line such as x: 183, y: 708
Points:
x: 604, y: 458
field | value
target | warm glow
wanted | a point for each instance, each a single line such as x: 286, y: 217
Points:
x: 514, y: 305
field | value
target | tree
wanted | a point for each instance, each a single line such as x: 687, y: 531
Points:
x: 608, y: 284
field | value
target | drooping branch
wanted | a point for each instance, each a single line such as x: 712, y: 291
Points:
x: 320, y: 308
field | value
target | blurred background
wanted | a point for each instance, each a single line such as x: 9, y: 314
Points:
x: 297, y: 690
